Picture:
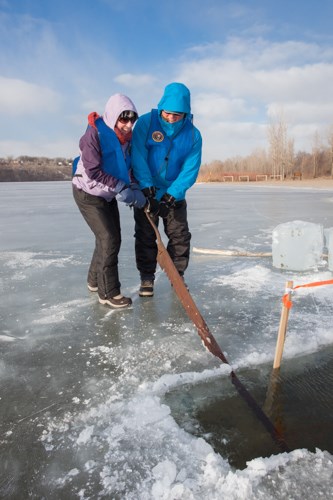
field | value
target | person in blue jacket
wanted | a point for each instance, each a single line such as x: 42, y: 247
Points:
x: 166, y: 157
x: 102, y: 177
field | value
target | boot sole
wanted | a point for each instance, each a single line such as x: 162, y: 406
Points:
x: 115, y: 306
x: 146, y: 294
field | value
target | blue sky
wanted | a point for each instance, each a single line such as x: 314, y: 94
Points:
x: 246, y: 63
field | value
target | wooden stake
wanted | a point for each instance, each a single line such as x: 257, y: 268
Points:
x: 282, y: 329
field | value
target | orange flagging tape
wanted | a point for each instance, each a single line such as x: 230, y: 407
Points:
x: 287, y: 303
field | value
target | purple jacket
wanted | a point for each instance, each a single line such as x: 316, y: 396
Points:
x: 89, y: 174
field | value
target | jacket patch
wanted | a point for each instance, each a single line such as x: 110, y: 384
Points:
x: 157, y: 136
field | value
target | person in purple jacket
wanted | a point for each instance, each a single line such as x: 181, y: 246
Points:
x: 101, y: 178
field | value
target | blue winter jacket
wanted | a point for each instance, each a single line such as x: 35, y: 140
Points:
x: 112, y: 160
x: 165, y: 155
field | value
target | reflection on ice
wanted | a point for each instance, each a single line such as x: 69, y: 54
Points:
x: 128, y: 404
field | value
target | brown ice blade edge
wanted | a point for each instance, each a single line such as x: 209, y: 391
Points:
x: 166, y: 263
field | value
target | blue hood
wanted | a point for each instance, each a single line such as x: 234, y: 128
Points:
x: 176, y: 97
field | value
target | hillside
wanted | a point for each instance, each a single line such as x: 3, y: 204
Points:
x: 26, y: 168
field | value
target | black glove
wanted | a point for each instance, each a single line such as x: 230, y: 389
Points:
x: 153, y: 205
x: 167, y: 202
x: 149, y: 192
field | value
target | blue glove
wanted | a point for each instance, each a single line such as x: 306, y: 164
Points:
x: 132, y: 196
x: 140, y: 198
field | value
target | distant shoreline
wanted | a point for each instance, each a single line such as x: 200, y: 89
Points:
x: 318, y: 183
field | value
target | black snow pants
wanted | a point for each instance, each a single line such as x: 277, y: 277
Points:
x: 103, y: 219
x: 179, y: 237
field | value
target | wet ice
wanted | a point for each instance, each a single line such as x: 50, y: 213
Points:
x: 84, y: 390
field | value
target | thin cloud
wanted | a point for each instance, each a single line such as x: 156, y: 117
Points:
x: 19, y: 97
x: 48, y: 149
x: 134, y: 80
x: 215, y: 106
x: 302, y: 112
x: 230, y: 139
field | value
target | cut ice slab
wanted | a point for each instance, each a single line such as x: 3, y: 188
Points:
x: 297, y: 245
x: 329, y: 245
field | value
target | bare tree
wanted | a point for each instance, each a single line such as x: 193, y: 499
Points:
x: 281, y: 147
x: 315, y: 153
x: 330, y: 142
x: 290, y: 156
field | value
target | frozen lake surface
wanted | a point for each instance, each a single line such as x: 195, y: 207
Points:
x: 97, y: 403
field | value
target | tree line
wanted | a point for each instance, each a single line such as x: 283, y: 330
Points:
x: 258, y: 164
x: 280, y: 160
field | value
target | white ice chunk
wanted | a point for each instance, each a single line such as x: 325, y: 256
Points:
x: 297, y: 245
x: 329, y: 246
x: 327, y: 234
